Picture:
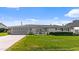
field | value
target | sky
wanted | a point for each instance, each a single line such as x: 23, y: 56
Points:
x: 13, y: 16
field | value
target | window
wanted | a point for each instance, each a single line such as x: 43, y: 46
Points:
x: 61, y: 29
x: 55, y: 28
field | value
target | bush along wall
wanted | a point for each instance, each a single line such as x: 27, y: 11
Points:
x: 31, y: 33
x: 3, y: 30
x: 61, y: 33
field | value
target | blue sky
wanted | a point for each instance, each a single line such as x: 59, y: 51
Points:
x: 37, y: 15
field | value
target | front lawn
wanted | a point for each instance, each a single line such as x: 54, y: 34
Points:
x: 46, y: 43
x: 3, y: 34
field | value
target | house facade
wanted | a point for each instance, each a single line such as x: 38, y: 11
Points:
x: 37, y: 29
x: 44, y: 29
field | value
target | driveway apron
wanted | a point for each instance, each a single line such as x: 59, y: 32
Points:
x: 7, y: 41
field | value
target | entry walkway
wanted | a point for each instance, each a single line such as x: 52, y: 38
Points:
x: 7, y: 41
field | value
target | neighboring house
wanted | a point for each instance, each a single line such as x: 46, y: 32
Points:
x: 3, y: 28
x: 74, y: 26
x: 76, y: 30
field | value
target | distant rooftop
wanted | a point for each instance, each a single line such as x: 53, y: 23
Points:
x: 2, y: 25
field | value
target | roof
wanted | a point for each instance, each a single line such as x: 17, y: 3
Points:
x: 37, y: 26
x: 75, y: 23
x: 2, y: 26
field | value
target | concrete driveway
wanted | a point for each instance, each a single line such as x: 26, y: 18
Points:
x: 7, y: 41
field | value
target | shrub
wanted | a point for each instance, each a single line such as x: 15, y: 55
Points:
x: 3, y: 30
x: 31, y: 33
x: 76, y: 34
x: 61, y: 33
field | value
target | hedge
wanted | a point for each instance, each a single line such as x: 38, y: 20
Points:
x: 30, y: 33
x: 2, y: 29
x: 61, y: 33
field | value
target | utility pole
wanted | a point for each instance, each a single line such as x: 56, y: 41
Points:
x: 21, y: 23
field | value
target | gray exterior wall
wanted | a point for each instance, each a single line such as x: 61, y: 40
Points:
x: 36, y: 29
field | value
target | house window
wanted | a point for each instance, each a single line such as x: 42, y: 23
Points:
x: 45, y: 29
x: 61, y: 29
x: 68, y: 29
x: 76, y: 31
x: 40, y: 31
x: 55, y: 28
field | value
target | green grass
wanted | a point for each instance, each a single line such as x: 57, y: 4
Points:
x: 46, y: 43
x: 3, y: 34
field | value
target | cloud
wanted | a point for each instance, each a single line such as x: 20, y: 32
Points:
x: 17, y: 8
x: 30, y: 21
x: 9, y: 21
x: 74, y: 13
x: 59, y: 22
x: 13, y: 7
x: 56, y: 18
x: 34, y: 20
x: 25, y: 21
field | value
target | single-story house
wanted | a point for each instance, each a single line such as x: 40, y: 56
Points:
x: 44, y: 29
x: 37, y: 29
